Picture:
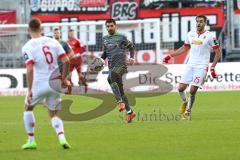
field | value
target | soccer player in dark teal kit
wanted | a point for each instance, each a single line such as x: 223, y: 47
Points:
x: 115, y: 46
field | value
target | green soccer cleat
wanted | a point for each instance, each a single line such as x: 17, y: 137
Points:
x: 64, y: 144
x: 30, y: 145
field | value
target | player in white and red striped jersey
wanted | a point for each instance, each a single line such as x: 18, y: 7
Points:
x: 199, y: 44
x: 41, y: 55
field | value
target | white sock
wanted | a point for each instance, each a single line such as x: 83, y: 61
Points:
x: 29, y: 123
x: 130, y: 111
x: 183, y: 96
x: 58, y: 126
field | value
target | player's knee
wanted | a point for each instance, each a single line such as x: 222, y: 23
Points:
x: 113, y: 77
x: 181, y: 89
x: 52, y: 113
x: 28, y: 107
x: 192, y: 92
x: 121, y: 90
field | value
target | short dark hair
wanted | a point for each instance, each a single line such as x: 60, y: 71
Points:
x: 56, y: 29
x: 35, y: 25
x: 202, y: 16
x: 71, y: 30
x: 110, y: 21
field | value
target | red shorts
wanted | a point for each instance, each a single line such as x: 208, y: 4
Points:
x: 75, y: 63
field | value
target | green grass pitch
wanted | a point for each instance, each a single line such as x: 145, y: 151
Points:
x: 212, y: 134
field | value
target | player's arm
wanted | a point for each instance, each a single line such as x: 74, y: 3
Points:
x: 29, y: 68
x: 70, y: 52
x: 65, y: 67
x: 186, y: 46
x: 130, y: 47
x: 104, y: 54
x: 217, y: 57
x: 179, y: 51
x: 82, y: 47
x: 62, y: 56
x: 29, y: 63
x: 68, y: 49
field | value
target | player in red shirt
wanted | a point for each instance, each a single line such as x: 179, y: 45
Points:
x: 78, y: 49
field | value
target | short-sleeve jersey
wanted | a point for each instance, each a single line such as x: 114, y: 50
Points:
x: 200, y: 48
x: 43, y: 53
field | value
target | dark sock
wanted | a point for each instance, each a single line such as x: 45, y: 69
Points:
x: 190, y: 102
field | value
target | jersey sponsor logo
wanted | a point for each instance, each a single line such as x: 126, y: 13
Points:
x: 197, y: 42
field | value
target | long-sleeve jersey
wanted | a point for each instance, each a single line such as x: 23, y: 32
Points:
x: 114, y: 49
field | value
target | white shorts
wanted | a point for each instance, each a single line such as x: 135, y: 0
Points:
x: 43, y: 94
x: 193, y: 76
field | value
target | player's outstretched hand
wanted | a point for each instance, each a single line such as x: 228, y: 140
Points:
x: 67, y: 84
x: 213, y: 72
x: 130, y: 61
x: 166, y: 59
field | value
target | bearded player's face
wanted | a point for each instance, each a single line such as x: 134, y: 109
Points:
x: 200, y: 24
x: 111, y: 28
x: 57, y: 34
